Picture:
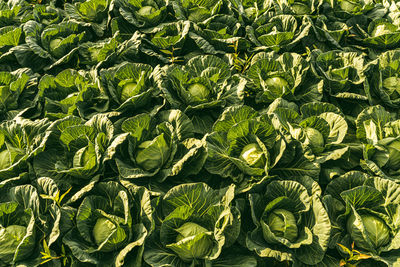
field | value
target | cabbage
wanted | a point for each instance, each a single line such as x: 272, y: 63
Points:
x: 253, y: 155
x: 102, y: 229
x: 141, y: 160
x: 314, y: 139
x: 83, y: 156
x: 105, y: 230
x: 55, y: 43
x: 146, y: 11
x: 392, y: 84
x: 395, y: 145
x: 189, y: 229
x: 198, y: 92
x: 130, y: 89
x: 250, y: 12
x: 394, y: 155
x: 300, y: 9
x: 152, y: 154
x: 348, y: 6
x: 377, y: 231
x: 9, y: 156
x: 283, y: 224
x: 94, y: 53
x: 382, y: 29
x: 276, y: 83
x: 195, y: 239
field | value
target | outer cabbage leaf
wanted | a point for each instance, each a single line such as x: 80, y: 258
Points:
x: 250, y: 10
x: 165, y: 40
x: 298, y: 7
x: 10, y: 36
x: 345, y: 9
x: 196, y: 11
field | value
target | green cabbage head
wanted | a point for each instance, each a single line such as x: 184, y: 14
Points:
x: 377, y: 231
x: 199, y: 239
x: 196, y: 222
x: 289, y: 218
x: 392, y: 84
x: 253, y: 155
x: 109, y: 235
x: 277, y: 83
x: 147, y: 158
x: 394, y: 155
x: 198, y: 92
x: 146, y: 11
x: 314, y: 139
x: 283, y: 224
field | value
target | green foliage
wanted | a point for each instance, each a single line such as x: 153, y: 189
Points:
x: 192, y: 133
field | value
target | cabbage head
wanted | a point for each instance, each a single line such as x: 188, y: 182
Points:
x: 357, y: 214
x: 376, y: 229
x: 342, y: 72
x: 155, y: 147
x: 241, y: 144
x: 376, y: 127
x: 384, y: 79
x: 320, y: 127
x: 314, y: 139
x: 50, y: 46
x: 278, y: 32
x: 113, y: 222
x: 197, y: 223
x: 288, y: 76
x: 202, y: 88
x: 196, y: 11
x: 129, y: 85
x: 19, y: 141
x: 23, y: 223
x: 75, y: 155
x: 91, y: 13
x: 290, y: 221
x: 199, y: 237
x: 282, y: 223
x: 253, y: 155
x: 141, y: 14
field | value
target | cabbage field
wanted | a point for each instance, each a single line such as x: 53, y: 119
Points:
x: 194, y: 133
